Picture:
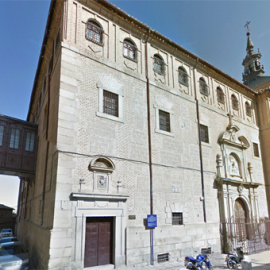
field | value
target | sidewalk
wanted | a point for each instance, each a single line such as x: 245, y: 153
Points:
x: 260, y: 261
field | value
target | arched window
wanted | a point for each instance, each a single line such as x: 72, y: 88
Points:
x: 220, y: 95
x: 94, y: 32
x: 248, y: 109
x: 182, y: 76
x: 129, y: 49
x: 235, y: 104
x: 203, y: 87
x: 159, y: 65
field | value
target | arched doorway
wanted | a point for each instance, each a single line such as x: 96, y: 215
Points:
x: 240, y: 220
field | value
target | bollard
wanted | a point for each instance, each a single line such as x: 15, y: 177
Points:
x: 246, y: 265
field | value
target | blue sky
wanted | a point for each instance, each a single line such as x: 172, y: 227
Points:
x: 213, y: 30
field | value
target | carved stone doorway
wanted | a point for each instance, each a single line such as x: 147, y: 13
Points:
x: 240, y: 220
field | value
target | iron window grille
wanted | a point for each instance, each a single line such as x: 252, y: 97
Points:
x: 164, y: 121
x: 177, y: 218
x: 256, y: 150
x: 129, y: 50
x: 220, y: 95
x: 182, y: 76
x: 159, y: 65
x: 248, y: 109
x: 235, y: 104
x: 14, y: 138
x: 94, y: 32
x: 110, y: 103
x: 204, y: 133
x: 203, y: 87
x: 163, y: 257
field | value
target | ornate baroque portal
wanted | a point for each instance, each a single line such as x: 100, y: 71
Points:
x: 237, y: 191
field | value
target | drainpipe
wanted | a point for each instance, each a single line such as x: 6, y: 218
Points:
x: 149, y: 144
x: 200, y: 143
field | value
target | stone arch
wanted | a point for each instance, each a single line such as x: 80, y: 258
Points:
x: 101, y: 164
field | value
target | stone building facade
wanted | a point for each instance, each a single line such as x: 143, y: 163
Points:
x: 132, y: 124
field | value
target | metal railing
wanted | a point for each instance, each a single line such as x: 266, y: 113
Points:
x: 253, y: 237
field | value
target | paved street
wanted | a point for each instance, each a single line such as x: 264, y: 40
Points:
x: 260, y: 261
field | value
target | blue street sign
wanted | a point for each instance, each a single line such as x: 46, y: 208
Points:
x: 151, y: 221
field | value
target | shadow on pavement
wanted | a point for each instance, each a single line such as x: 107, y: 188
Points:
x: 261, y: 267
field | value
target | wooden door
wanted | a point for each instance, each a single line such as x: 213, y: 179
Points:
x: 98, y: 241
x: 240, y: 220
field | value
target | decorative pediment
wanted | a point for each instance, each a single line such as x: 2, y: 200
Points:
x: 101, y: 164
x: 230, y: 137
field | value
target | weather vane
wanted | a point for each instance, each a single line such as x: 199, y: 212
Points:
x: 247, y: 26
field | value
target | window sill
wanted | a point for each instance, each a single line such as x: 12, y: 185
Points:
x: 204, y: 94
x: 131, y: 59
x: 182, y: 83
x: 159, y: 73
x: 111, y: 117
x: 164, y: 132
x: 96, y: 42
x: 206, y: 144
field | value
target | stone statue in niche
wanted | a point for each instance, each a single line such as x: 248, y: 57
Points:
x: 234, y: 166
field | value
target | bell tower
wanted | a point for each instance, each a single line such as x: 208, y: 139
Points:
x: 252, y: 65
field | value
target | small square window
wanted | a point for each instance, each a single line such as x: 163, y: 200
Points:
x: 256, y: 150
x: 220, y: 96
x: 110, y: 103
x: 30, y: 141
x: 14, y: 138
x: 159, y: 65
x: 248, y: 109
x: 204, y: 133
x: 164, y: 121
x: 94, y: 32
x: 177, y: 218
x: 203, y: 87
x: 235, y: 103
x: 129, y: 50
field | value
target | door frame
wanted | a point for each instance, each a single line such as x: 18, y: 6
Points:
x: 115, y: 207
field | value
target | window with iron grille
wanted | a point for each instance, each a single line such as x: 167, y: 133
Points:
x: 30, y: 141
x: 220, y: 95
x: 204, y: 133
x: 129, y: 50
x: 203, y: 87
x: 177, y: 218
x: 14, y: 138
x: 182, y: 76
x: 110, y: 103
x: 235, y: 104
x: 163, y: 257
x: 164, y: 121
x: 1, y: 135
x: 256, y: 150
x: 159, y: 65
x: 248, y: 109
x: 94, y: 32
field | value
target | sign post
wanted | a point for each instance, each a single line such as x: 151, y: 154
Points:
x: 151, y: 224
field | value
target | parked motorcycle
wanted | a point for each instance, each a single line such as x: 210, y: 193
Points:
x: 234, y: 259
x: 201, y: 262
